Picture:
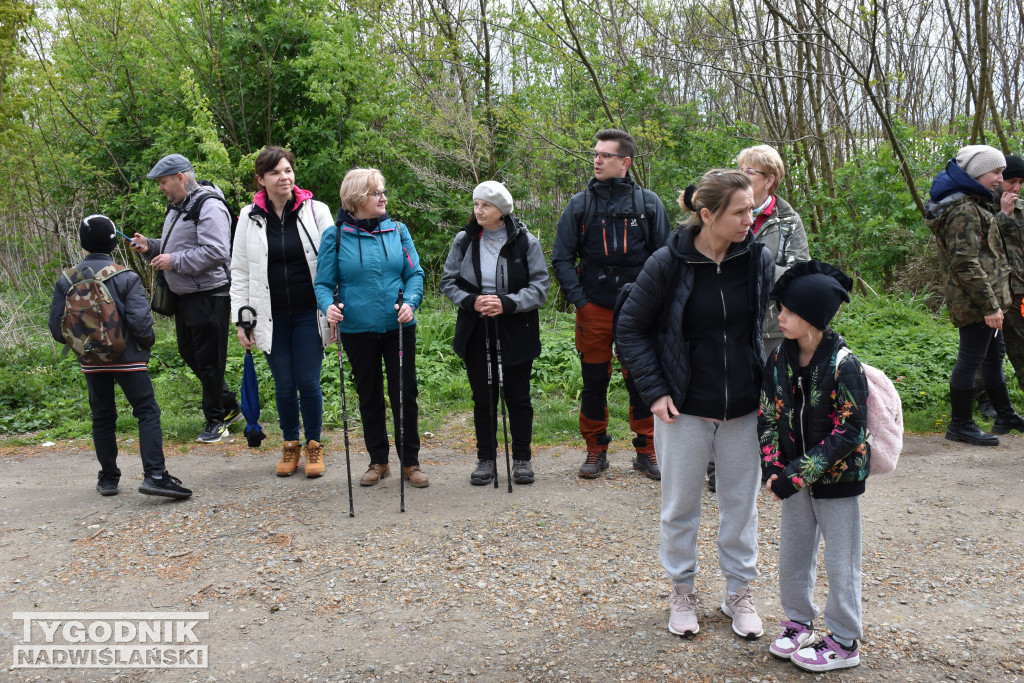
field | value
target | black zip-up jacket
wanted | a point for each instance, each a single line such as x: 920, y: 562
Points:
x: 291, y: 289
x: 650, y: 337
x: 593, y: 262
x: 812, y: 427
x: 522, y: 283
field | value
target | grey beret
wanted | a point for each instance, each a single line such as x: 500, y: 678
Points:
x: 493, y: 192
x: 977, y: 160
x: 169, y: 165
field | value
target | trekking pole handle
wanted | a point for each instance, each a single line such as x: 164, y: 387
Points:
x: 247, y: 325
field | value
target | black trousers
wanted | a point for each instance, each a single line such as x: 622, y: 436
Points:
x: 202, y: 323
x: 138, y: 389
x: 980, y: 347
x: 365, y: 352
x: 516, y: 384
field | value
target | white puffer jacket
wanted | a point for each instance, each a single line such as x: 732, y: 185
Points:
x: 249, y: 283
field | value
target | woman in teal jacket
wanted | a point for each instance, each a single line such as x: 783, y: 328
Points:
x: 374, y: 268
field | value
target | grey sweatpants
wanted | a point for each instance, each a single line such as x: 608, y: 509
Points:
x: 805, y: 520
x: 684, y: 449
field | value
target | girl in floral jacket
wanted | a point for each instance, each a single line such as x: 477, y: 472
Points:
x: 813, y: 434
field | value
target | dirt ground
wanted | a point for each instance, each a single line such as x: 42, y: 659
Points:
x: 556, y: 581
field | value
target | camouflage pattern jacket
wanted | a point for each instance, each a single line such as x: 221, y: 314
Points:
x: 977, y: 274
x: 813, y: 425
x: 1012, y: 230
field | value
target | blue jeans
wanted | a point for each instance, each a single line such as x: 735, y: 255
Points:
x: 295, y: 360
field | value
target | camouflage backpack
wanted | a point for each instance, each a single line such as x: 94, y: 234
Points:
x: 93, y: 327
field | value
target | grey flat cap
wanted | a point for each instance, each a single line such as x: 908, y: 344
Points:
x: 169, y: 165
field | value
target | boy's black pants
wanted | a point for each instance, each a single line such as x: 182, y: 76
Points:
x: 138, y: 389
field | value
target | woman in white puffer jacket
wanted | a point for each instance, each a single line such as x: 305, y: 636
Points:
x: 273, y: 264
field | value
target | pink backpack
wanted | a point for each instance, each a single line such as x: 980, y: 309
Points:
x: 885, y: 417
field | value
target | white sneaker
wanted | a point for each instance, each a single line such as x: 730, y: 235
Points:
x: 682, y: 604
x: 745, y: 622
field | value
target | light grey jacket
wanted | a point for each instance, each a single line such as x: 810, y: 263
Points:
x: 200, y: 251
x: 783, y: 234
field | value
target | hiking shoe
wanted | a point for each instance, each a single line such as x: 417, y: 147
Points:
x: 415, y: 476
x: 213, y: 432
x: 522, y: 472
x: 682, y: 605
x: 107, y: 484
x: 711, y: 482
x: 745, y: 622
x: 987, y: 409
x: 483, y: 473
x: 794, y: 636
x: 314, y: 459
x: 290, y: 454
x: 647, y: 465
x: 594, y: 464
x: 374, y: 474
x: 167, y: 486
x: 232, y: 416
x: 1006, y: 421
x: 826, y: 655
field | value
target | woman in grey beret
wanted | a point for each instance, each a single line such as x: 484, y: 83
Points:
x: 496, y: 275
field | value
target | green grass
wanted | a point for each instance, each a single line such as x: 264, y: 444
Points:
x: 43, y: 394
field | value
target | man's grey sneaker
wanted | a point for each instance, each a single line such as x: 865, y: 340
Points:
x: 167, y: 486
x: 522, y: 472
x: 826, y: 655
x: 232, y: 416
x: 745, y: 622
x: 793, y: 637
x: 594, y: 465
x: 483, y: 473
x: 213, y: 432
x: 647, y: 465
x: 107, y: 484
x: 682, y: 605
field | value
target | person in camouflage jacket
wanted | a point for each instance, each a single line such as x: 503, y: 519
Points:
x: 1011, y: 226
x: 977, y: 286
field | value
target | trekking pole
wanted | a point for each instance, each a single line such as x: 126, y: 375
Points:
x: 344, y: 415
x: 400, y: 447
x: 492, y: 423
x: 501, y: 396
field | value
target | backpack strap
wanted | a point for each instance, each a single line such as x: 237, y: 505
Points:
x: 841, y: 355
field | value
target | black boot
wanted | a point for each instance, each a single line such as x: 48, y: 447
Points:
x: 962, y: 427
x: 1006, y: 417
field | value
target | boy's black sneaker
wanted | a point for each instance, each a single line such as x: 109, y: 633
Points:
x: 232, y: 416
x: 167, y: 486
x: 106, y: 484
x: 213, y: 432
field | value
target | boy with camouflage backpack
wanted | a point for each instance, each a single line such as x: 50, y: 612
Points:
x: 100, y: 311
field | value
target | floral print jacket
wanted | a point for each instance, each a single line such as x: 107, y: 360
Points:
x: 812, y: 426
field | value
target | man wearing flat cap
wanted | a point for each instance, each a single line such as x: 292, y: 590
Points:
x: 194, y: 253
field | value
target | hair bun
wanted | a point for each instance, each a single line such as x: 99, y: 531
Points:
x: 688, y: 197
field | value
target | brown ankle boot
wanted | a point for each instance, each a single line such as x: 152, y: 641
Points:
x: 314, y: 459
x: 374, y: 474
x: 415, y: 477
x: 289, y: 459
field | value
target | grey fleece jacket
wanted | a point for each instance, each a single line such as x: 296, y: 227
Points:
x: 200, y: 251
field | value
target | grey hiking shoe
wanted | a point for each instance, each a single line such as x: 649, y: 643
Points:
x: 594, y: 465
x: 522, y: 472
x: 483, y: 473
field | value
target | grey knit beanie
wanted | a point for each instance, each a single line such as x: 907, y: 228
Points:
x: 977, y: 160
x: 493, y: 192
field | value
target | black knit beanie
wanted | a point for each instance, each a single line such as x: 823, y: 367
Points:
x: 814, y: 291
x: 96, y: 234
x: 1014, y: 167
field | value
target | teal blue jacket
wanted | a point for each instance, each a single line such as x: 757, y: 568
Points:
x: 368, y: 267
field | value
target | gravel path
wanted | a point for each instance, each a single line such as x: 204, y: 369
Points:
x: 556, y: 581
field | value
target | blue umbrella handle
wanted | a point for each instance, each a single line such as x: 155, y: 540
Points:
x: 247, y: 325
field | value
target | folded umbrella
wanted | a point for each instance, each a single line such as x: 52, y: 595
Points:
x: 250, y: 393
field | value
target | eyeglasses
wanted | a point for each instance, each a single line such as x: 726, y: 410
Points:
x: 605, y: 156
x: 753, y: 171
x: 377, y: 194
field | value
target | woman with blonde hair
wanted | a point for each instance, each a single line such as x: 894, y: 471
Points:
x: 690, y: 334
x: 369, y: 260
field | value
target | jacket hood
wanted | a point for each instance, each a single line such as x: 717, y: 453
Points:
x: 953, y: 180
x: 514, y: 226
x: 260, y: 198
x: 680, y: 242
x: 613, y: 187
x: 368, y: 224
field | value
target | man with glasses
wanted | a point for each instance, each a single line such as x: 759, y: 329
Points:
x: 605, y: 234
